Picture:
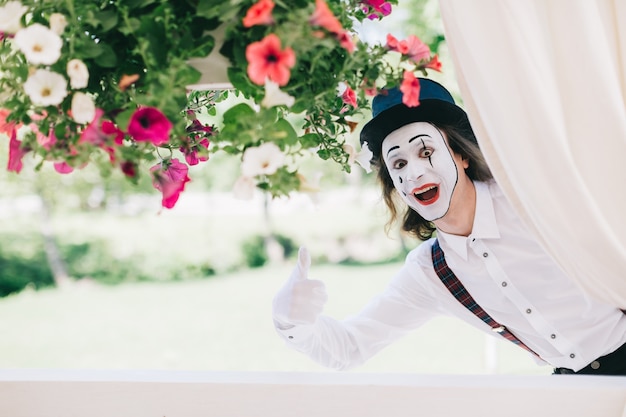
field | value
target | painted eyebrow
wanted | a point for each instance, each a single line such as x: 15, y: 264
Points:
x: 418, y: 136
x: 410, y: 140
x: 393, y: 148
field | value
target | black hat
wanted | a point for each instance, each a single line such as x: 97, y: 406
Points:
x: 389, y: 113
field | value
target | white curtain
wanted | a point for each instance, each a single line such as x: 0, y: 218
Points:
x: 544, y: 84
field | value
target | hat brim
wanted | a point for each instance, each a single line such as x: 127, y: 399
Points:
x: 438, y: 112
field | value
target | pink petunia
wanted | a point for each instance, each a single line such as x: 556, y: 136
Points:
x: 170, y: 178
x: 16, y: 153
x: 46, y: 141
x: 194, y: 152
x: 197, y: 126
x: 266, y: 59
x: 99, y: 132
x: 416, y: 49
x: 259, y: 14
x: 381, y: 8
x: 410, y: 88
x: 325, y: 18
x: 148, y: 124
x: 62, y: 168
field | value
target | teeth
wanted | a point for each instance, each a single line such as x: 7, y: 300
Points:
x: 426, y: 189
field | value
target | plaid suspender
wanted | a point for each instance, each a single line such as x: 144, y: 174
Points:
x: 459, y: 292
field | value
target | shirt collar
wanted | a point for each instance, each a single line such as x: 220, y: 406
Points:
x: 484, y: 227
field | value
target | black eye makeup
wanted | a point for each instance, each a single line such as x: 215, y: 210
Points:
x: 430, y: 152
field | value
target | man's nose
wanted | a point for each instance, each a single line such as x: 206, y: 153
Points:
x: 415, y: 171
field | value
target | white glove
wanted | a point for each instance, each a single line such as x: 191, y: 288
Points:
x: 300, y: 300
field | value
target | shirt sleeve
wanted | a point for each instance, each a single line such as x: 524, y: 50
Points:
x: 403, y: 306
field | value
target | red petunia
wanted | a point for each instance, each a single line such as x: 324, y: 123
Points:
x: 6, y: 127
x: 410, y: 88
x: 393, y: 44
x: 148, y: 124
x: 325, y: 18
x: 345, y: 40
x: 412, y: 47
x: 349, y: 97
x: 259, y: 14
x: 434, y: 63
x: 170, y: 178
x: 266, y: 59
x: 129, y: 168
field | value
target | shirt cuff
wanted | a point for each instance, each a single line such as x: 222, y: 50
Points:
x: 294, y: 333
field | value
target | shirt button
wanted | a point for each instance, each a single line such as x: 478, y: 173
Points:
x: 595, y: 365
x: 504, y: 284
x: 553, y: 336
x: 485, y: 255
x: 291, y: 337
x: 571, y: 355
x: 528, y: 311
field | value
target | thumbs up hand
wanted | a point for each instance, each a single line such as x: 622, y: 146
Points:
x: 300, y: 300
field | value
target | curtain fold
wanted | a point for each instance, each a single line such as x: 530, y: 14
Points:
x: 544, y: 85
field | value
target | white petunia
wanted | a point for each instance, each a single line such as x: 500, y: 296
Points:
x: 10, y: 15
x: 341, y: 88
x: 262, y: 160
x: 83, y: 108
x: 244, y: 188
x: 274, y: 96
x: 58, y: 22
x: 310, y: 185
x: 78, y: 73
x: 39, y: 44
x: 46, y: 88
x: 349, y: 149
x: 364, y: 157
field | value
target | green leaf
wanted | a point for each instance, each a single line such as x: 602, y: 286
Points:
x: 107, y: 57
x: 107, y: 19
x: 137, y: 4
x: 324, y: 154
x: 203, y: 46
x: 132, y: 25
x: 236, y: 113
x: 123, y: 118
x: 284, y: 132
x: 187, y: 75
x: 309, y: 140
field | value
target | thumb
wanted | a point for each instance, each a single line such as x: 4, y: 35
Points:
x: 304, y: 262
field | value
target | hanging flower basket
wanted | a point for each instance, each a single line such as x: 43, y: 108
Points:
x: 122, y: 84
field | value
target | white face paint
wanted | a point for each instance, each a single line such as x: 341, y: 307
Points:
x: 422, y: 168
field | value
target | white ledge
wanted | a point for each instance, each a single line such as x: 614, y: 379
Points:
x: 138, y: 393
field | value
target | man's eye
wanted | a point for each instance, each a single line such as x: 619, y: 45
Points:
x: 399, y: 164
x: 426, y: 153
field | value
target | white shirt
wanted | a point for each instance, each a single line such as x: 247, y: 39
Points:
x: 508, y: 274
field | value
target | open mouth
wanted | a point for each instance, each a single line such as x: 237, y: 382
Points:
x: 427, y: 194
